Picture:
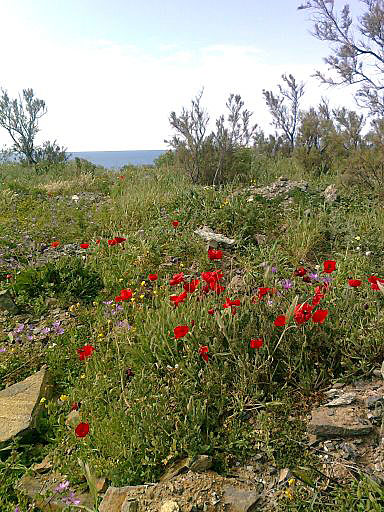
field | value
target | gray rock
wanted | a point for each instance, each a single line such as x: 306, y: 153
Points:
x: 240, y: 500
x: 20, y: 404
x: 373, y: 401
x: 6, y: 302
x: 344, y: 422
x: 346, y: 399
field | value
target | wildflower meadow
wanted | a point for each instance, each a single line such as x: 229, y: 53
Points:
x: 168, y: 346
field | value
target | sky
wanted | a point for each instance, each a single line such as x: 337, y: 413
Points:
x: 111, y: 71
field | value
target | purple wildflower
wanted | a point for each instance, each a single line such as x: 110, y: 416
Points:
x: 326, y: 279
x: 19, y: 328
x: 286, y: 284
x: 273, y: 270
x: 45, y: 330
x: 2, y: 349
x: 124, y: 323
x: 62, y: 486
x: 314, y: 276
x: 71, y: 499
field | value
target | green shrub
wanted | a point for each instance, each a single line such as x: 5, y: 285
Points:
x: 67, y: 278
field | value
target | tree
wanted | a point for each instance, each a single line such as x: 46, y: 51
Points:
x: 357, y: 55
x: 349, y: 125
x: 20, y: 118
x: 285, y: 108
x: 236, y: 135
x: 191, y: 126
x: 204, y: 156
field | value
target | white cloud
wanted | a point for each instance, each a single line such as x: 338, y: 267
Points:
x: 105, y: 96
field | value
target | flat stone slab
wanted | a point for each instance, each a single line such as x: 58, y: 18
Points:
x: 240, y: 500
x: 338, y: 422
x: 117, y: 499
x: 20, y: 404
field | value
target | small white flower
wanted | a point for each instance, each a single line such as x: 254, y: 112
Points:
x: 358, y: 248
x: 368, y: 253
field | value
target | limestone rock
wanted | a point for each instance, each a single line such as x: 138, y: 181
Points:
x: 20, y: 404
x: 119, y: 499
x: 330, y: 194
x: 170, y: 506
x: 213, y: 238
x: 240, y: 500
x: 201, y: 463
x: 338, y: 422
x: 346, y: 399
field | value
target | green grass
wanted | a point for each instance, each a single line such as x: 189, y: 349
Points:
x: 176, y: 404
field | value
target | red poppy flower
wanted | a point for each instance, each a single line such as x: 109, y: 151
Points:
x: 8, y: 276
x: 152, y: 277
x: 55, y: 244
x: 302, y: 313
x: 176, y: 299
x: 180, y: 331
x: 374, y: 282
x: 85, y: 352
x: 119, y: 239
x: 229, y: 302
x: 257, y: 343
x: 203, y: 351
x: 118, y: 298
x: 211, y: 311
x: 98, y: 241
x: 354, y: 282
x: 175, y: 223
x: 84, y: 246
x: 262, y: 291
x: 212, y: 277
x: 306, y: 279
x: 233, y: 310
x: 82, y: 429
x: 319, y: 316
x: 112, y: 242
x: 215, y: 254
x: 300, y: 272
x: 280, y: 321
x: 122, y: 177
x: 317, y: 298
x: 329, y: 266
x: 126, y: 294
x: 177, y: 279
x: 191, y: 287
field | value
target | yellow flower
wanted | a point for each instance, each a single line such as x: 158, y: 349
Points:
x: 72, y: 308
x: 289, y: 493
x: 133, y: 299
x: 181, y: 265
x: 291, y: 482
x: 121, y: 279
x: 82, y: 376
x: 142, y: 283
x: 63, y: 398
x: 94, y: 303
x: 357, y: 238
x: 43, y: 399
x: 101, y: 334
x: 142, y: 296
x: 154, y: 292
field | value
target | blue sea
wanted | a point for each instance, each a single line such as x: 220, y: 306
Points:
x: 116, y: 159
